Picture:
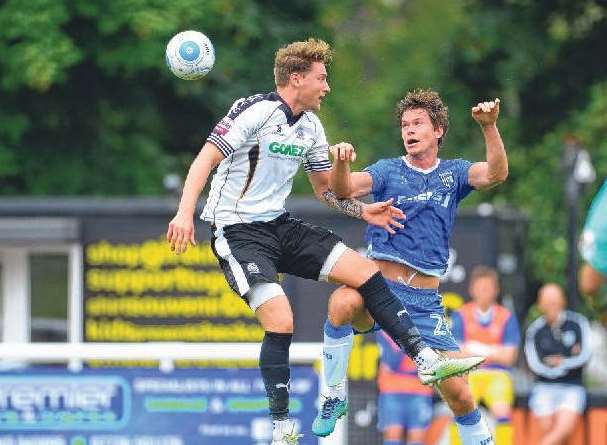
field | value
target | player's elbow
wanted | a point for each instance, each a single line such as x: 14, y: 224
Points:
x: 343, y: 194
x: 499, y: 176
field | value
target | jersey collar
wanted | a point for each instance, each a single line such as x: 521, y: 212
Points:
x: 421, y: 170
x: 286, y: 109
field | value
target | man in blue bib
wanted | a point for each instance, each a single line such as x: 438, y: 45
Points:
x: 412, y: 259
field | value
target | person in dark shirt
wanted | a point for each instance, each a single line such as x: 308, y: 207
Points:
x: 557, y: 347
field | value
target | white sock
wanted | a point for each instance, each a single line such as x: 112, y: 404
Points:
x: 338, y: 391
x: 335, y: 356
x: 473, y: 429
x: 281, y: 427
x: 426, y: 358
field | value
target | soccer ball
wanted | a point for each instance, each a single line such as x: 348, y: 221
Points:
x: 190, y: 55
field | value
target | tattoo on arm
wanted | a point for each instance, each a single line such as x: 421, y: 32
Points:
x: 351, y: 207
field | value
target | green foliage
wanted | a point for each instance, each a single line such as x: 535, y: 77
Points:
x: 88, y: 106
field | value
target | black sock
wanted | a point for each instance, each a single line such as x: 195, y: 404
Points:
x: 274, y: 365
x: 391, y: 315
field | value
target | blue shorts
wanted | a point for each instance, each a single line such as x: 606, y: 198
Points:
x: 425, y: 307
x: 405, y: 410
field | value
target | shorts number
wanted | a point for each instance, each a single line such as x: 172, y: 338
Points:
x: 441, y: 327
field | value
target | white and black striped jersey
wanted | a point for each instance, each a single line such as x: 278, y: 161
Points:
x: 569, y: 338
x: 263, y: 144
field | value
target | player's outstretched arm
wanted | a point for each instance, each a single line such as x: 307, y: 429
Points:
x: 484, y: 175
x: 381, y: 214
x: 181, y: 227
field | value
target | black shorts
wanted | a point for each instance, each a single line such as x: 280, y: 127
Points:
x: 253, y: 253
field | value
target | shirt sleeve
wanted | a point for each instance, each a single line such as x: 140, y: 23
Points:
x: 583, y: 339
x: 317, y: 157
x: 512, y: 334
x: 237, y: 126
x: 463, y: 186
x: 535, y: 355
x: 378, y: 176
x: 457, y: 327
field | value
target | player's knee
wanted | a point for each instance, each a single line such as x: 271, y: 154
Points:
x: 285, y: 325
x: 344, y: 303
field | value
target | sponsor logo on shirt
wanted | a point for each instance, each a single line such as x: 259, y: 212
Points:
x: 223, y: 126
x: 287, y: 149
x: 436, y: 197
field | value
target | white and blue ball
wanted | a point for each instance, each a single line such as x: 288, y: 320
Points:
x: 190, y: 55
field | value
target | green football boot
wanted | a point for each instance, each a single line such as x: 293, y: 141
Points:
x: 446, y: 367
x: 331, y: 410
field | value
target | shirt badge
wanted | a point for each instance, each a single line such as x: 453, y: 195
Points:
x: 447, y: 178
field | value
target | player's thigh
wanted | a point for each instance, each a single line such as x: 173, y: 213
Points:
x: 247, y: 254
x: 427, y: 312
x: 275, y: 315
x: 352, y: 269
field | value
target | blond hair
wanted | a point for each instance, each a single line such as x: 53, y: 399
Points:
x: 297, y: 57
x: 426, y: 100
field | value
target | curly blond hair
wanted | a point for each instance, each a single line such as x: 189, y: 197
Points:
x: 426, y: 100
x: 297, y: 57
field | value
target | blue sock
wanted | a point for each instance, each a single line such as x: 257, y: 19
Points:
x: 473, y: 429
x: 335, y: 355
x: 392, y: 442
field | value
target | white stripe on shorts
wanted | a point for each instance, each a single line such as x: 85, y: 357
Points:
x: 332, y: 258
x: 223, y: 250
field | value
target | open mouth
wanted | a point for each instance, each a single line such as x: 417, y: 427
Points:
x: 411, y: 142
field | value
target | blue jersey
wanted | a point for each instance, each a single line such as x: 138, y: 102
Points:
x: 429, y: 199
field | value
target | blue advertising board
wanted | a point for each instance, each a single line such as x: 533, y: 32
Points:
x: 136, y: 406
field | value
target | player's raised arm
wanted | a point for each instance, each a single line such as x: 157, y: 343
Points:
x: 344, y: 183
x: 484, y: 175
x: 181, y: 227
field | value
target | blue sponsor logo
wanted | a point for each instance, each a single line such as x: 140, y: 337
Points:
x: 64, y: 403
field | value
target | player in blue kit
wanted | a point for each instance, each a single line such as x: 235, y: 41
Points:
x: 593, y: 245
x: 428, y: 190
